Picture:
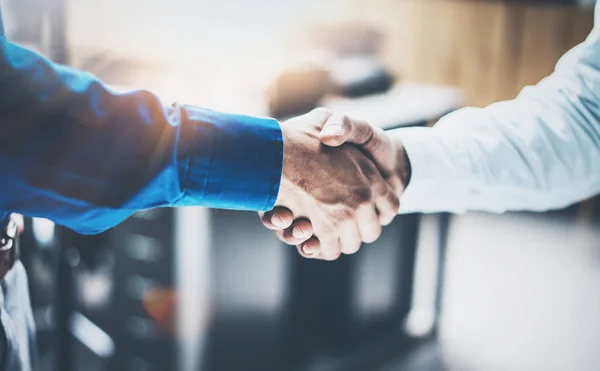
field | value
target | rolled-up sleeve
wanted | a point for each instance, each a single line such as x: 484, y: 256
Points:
x: 76, y: 152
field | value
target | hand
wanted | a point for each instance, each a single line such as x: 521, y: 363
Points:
x: 387, y: 153
x: 339, y: 190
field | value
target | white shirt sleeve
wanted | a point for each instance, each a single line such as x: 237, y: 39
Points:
x: 539, y: 151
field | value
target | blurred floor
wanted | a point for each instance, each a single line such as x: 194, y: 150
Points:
x: 522, y: 293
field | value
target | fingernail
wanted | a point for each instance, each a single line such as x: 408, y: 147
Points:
x: 333, y: 130
x: 297, y: 232
x: 307, y: 250
x: 276, y: 220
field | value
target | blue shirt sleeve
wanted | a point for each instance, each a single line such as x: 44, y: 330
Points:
x: 86, y: 157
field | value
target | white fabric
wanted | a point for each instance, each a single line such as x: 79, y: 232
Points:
x: 539, y: 151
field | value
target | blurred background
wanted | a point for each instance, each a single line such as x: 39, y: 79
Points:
x: 198, y: 289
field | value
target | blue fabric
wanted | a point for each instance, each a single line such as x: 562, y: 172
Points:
x: 537, y: 152
x: 86, y: 157
x: 1, y: 24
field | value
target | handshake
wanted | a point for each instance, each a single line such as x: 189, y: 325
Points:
x: 342, y: 180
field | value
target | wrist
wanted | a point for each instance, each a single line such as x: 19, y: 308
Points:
x: 292, y: 148
x: 403, y: 166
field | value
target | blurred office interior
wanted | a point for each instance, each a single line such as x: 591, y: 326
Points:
x: 212, y: 290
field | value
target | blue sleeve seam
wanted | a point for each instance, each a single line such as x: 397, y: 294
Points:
x: 276, y: 183
x: 186, y: 177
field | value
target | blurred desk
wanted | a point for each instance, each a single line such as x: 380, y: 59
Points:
x: 404, y: 105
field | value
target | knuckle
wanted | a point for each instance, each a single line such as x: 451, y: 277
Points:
x: 365, y: 133
x: 327, y: 229
x: 395, y: 201
x: 374, y: 132
x: 379, y: 185
x: 351, y: 249
x: 345, y: 121
x: 370, y: 171
x: 390, y: 203
x: 362, y: 195
x: 343, y: 215
x: 366, y: 210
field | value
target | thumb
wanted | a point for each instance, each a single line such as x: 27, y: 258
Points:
x: 335, y: 131
x: 377, y: 145
x: 339, y: 129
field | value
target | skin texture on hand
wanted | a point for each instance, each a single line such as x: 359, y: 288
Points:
x: 385, y: 152
x: 339, y: 190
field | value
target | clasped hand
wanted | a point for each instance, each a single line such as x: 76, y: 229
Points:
x: 335, y: 195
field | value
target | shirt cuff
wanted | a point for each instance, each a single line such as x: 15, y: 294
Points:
x: 4, y: 218
x: 434, y: 185
x: 230, y: 161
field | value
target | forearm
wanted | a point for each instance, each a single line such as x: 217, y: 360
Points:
x: 76, y: 152
x: 538, y: 152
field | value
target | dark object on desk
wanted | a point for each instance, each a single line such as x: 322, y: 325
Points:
x: 403, y: 105
x: 298, y: 90
x: 348, y: 66
x: 360, y: 76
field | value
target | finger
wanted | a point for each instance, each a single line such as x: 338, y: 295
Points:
x: 349, y: 238
x: 387, y: 204
x: 373, y: 141
x: 330, y: 243
x: 286, y: 237
x: 368, y: 223
x: 277, y: 219
x: 310, y: 249
x: 302, y: 229
x: 339, y: 129
x: 299, y: 232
